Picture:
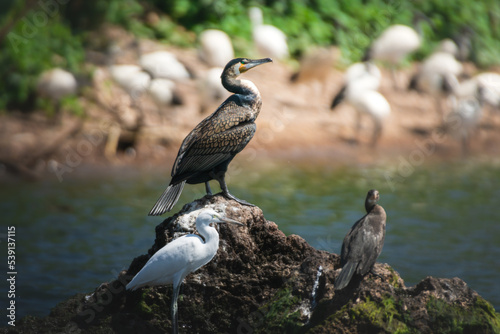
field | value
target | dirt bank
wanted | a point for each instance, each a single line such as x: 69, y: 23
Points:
x: 295, y: 123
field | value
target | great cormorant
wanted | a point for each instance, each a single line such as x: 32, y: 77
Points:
x: 363, y: 244
x: 208, y: 149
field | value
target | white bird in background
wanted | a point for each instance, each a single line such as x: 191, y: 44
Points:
x: 393, y: 46
x: 447, y: 45
x: 132, y: 79
x: 362, y: 76
x: 215, y: 48
x: 56, y: 84
x: 490, y: 84
x: 211, y: 90
x: 184, y: 255
x: 464, y: 119
x: 163, y: 64
x: 361, y: 81
x: 437, y: 76
x: 269, y: 40
x: 163, y: 92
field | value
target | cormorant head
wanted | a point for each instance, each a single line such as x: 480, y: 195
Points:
x: 240, y: 65
x: 371, y: 199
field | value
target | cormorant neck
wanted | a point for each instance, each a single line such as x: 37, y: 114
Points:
x: 369, y: 206
x: 241, y: 87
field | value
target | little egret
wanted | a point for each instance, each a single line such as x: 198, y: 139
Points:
x: 184, y: 255
x: 363, y: 243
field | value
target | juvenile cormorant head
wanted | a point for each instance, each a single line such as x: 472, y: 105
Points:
x: 371, y: 199
x: 240, y: 65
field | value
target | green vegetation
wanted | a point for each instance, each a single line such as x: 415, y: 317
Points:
x: 280, y: 315
x: 38, y: 35
x: 383, y: 315
x: 449, y: 318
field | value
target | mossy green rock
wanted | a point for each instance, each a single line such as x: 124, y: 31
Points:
x: 262, y: 281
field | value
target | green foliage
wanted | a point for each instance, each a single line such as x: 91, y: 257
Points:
x: 33, y: 45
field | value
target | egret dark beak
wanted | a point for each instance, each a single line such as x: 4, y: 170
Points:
x: 229, y: 221
x: 253, y: 63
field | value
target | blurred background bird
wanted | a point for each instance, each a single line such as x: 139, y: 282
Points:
x: 269, y: 40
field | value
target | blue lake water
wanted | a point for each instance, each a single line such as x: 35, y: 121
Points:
x: 443, y: 221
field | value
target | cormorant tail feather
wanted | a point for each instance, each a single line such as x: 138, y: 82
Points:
x: 345, y: 275
x: 168, y: 199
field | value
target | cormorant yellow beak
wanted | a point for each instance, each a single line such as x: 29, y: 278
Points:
x: 252, y: 63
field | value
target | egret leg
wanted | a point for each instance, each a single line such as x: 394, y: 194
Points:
x: 175, y: 296
x: 221, y: 178
x: 208, y: 189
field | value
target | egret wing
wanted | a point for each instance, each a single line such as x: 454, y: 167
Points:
x: 168, y: 263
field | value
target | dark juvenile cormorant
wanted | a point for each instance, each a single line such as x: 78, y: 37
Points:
x: 209, y: 148
x: 363, y: 244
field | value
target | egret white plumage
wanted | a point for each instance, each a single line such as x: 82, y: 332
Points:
x: 373, y: 104
x: 361, y: 80
x: 437, y: 76
x: 56, y: 84
x: 490, y: 84
x: 447, y: 45
x: 464, y: 118
x: 215, y: 48
x: 393, y: 46
x: 163, y: 64
x: 132, y: 79
x: 163, y: 92
x: 184, y: 255
x: 365, y: 76
x: 269, y: 40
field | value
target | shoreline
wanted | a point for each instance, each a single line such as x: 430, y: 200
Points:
x: 295, y: 124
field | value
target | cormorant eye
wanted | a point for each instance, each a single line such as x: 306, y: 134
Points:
x: 244, y: 61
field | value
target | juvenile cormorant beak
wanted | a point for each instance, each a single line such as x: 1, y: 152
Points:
x: 251, y: 63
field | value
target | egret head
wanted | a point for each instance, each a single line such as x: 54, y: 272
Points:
x: 209, y: 216
x: 240, y: 65
x: 371, y: 199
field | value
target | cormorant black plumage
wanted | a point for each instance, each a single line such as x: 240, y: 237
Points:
x: 208, y: 149
x: 363, y: 244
